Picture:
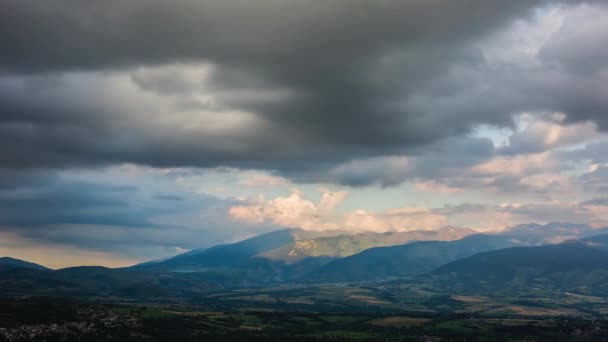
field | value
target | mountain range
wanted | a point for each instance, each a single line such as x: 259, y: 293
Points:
x: 452, y: 259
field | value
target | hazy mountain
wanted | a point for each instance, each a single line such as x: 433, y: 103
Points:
x: 11, y: 262
x: 598, y: 242
x: 570, y: 266
x: 346, y: 245
x: 550, y: 233
x: 407, y: 260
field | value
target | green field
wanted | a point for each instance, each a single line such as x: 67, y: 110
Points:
x: 47, y: 319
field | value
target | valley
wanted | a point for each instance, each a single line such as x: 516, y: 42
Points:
x: 27, y: 320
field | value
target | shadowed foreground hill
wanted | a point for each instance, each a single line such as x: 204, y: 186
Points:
x: 570, y: 266
x: 94, y: 281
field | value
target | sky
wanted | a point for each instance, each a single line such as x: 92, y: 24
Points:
x: 134, y: 130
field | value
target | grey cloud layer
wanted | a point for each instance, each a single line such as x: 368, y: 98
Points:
x: 323, y: 83
x: 120, y: 218
x: 273, y: 36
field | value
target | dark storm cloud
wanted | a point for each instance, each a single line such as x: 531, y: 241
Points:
x: 574, y: 77
x: 284, y: 39
x: 355, y: 80
x: 347, y: 66
x: 444, y: 159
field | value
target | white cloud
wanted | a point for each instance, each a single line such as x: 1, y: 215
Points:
x: 296, y: 211
x: 292, y: 210
x: 402, y: 219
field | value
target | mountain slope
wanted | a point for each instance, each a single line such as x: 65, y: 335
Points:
x: 346, y: 245
x: 570, y: 266
x: 237, y: 255
x: 11, y: 262
x: 407, y: 260
x: 290, y: 254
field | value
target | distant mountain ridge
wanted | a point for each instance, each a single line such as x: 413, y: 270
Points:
x: 293, y: 246
x: 551, y: 233
x: 408, y: 260
x: 288, y: 254
x: 294, y: 256
x: 420, y: 257
x: 569, y: 266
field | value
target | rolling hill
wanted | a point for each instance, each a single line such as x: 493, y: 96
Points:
x: 16, y: 263
x: 407, y: 260
x: 94, y: 281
